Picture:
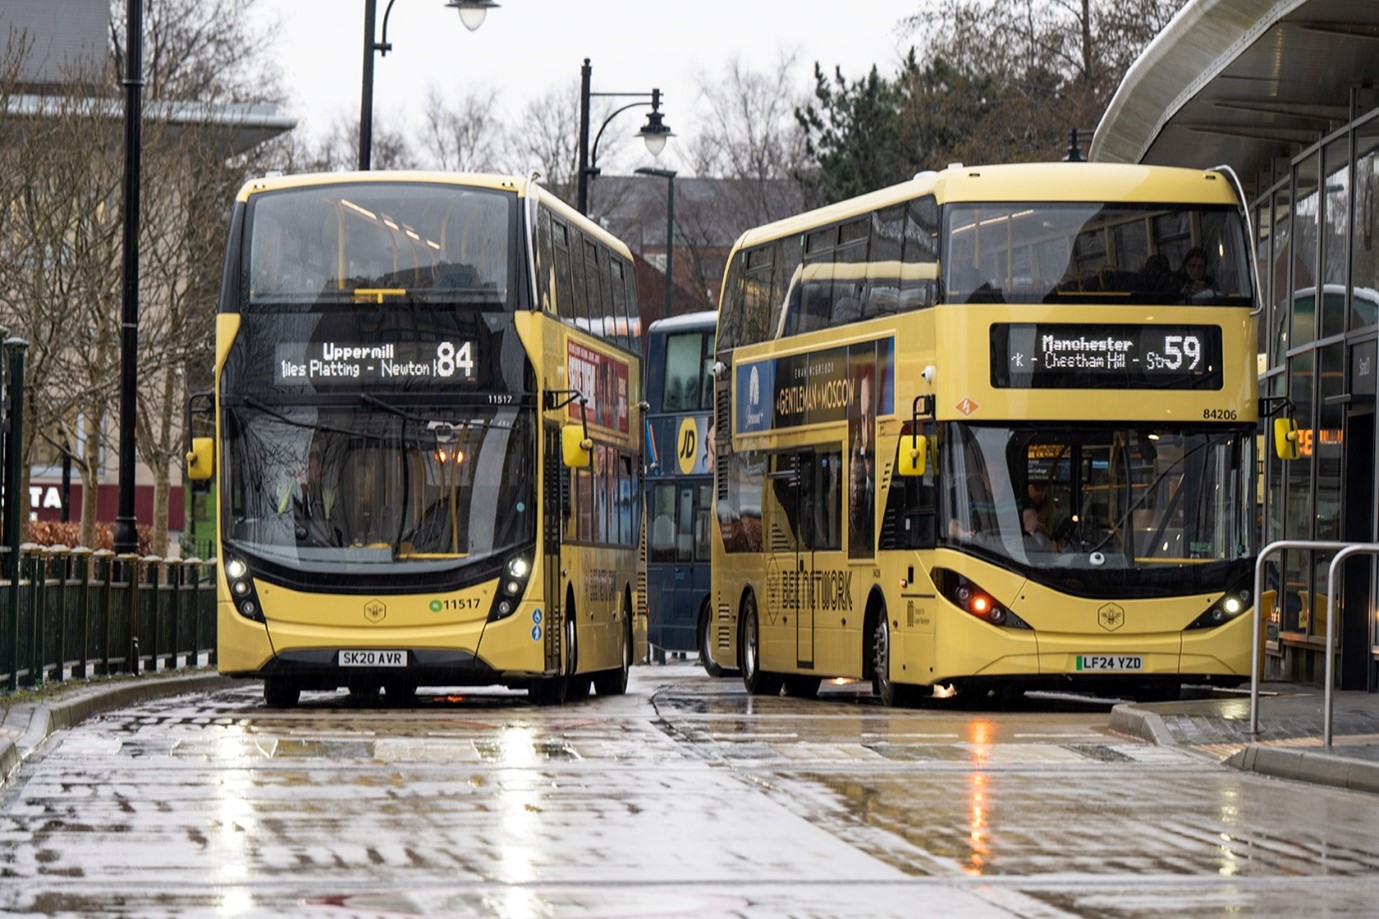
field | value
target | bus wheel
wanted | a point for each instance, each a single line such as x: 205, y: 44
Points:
x: 400, y: 691
x: 1170, y: 691
x: 614, y: 682
x: 705, y: 642
x: 576, y: 686
x: 890, y: 693
x: 548, y: 691
x: 757, y: 681
x: 280, y: 692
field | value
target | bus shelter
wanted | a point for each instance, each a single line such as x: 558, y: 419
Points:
x: 1285, y: 94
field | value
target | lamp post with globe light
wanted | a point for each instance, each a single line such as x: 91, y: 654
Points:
x: 655, y: 132
x: 472, y: 13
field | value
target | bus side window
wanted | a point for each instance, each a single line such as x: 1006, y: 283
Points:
x: 703, y: 520
x: 662, y: 542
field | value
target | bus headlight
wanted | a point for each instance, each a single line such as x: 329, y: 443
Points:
x: 970, y: 598
x: 242, y: 592
x: 1230, y: 606
x: 510, y: 588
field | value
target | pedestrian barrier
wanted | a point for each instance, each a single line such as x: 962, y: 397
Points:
x: 1343, y: 551
x: 76, y: 613
x: 1335, y: 568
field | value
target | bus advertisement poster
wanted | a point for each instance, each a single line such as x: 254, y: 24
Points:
x: 810, y: 388
x: 602, y: 381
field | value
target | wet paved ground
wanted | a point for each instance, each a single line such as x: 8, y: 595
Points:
x: 684, y: 798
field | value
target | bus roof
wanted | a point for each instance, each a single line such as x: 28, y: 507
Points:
x: 700, y: 320
x: 1018, y: 182
x: 524, y: 186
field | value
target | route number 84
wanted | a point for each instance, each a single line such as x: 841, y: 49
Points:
x: 450, y: 358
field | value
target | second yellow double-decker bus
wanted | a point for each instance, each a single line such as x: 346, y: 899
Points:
x: 991, y: 429
x: 427, y: 444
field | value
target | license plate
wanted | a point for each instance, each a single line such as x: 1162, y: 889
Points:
x: 1110, y: 662
x: 373, y: 658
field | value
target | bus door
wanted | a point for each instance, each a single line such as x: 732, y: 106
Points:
x: 786, y: 577
x: 809, y: 495
x: 694, y: 499
x: 556, y: 514
x: 678, y: 560
x: 821, y: 541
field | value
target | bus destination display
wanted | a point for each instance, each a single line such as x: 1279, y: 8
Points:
x: 338, y: 363
x: 1078, y: 356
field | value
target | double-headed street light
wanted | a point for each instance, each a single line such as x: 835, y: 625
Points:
x: 655, y: 132
x: 669, y: 176
x: 472, y: 13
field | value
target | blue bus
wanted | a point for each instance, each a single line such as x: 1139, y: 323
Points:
x: 679, y: 482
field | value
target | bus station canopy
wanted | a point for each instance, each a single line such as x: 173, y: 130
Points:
x: 1242, y: 82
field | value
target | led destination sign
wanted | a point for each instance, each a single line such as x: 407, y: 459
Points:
x: 1068, y: 356
x: 336, y: 363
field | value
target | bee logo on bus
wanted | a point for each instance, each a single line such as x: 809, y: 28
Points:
x: 375, y: 610
x: 1110, y: 617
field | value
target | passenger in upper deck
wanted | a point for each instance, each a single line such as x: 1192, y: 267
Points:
x: 1192, y: 279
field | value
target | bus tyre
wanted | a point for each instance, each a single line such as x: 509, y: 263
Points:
x: 400, y: 691
x: 614, y: 682
x: 757, y: 681
x: 889, y: 692
x: 576, y: 686
x: 280, y: 692
x: 706, y: 642
x: 548, y: 691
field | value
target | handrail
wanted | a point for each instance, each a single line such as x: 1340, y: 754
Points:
x: 1270, y: 549
x: 1371, y: 548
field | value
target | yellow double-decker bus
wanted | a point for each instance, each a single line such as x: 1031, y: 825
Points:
x: 990, y: 430
x: 427, y: 446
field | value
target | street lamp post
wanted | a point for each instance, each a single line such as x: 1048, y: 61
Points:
x: 126, y: 534
x: 669, y: 176
x: 472, y: 13
x: 655, y: 132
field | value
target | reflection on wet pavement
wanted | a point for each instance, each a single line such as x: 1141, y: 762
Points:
x: 684, y: 798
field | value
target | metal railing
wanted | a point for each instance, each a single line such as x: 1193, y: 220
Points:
x: 1370, y: 548
x: 1343, y: 551
x: 76, y: 613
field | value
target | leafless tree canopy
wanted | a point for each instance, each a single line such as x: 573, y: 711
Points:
x: 61, y: 279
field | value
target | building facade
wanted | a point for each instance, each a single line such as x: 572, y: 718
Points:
x: 1284, y: 94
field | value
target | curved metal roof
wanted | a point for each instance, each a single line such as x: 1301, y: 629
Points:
x: 1242, y: 82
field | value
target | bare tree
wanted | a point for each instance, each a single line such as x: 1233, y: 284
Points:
x: 61, y: 177
x: 750, y: 131
x: 467, y: 137
x: 547, y: 140
x: 59, y: 272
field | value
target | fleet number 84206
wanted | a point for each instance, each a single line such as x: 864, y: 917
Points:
x: 1219, y: 414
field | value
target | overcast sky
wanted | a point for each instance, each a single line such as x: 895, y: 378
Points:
x: 527, y: 48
